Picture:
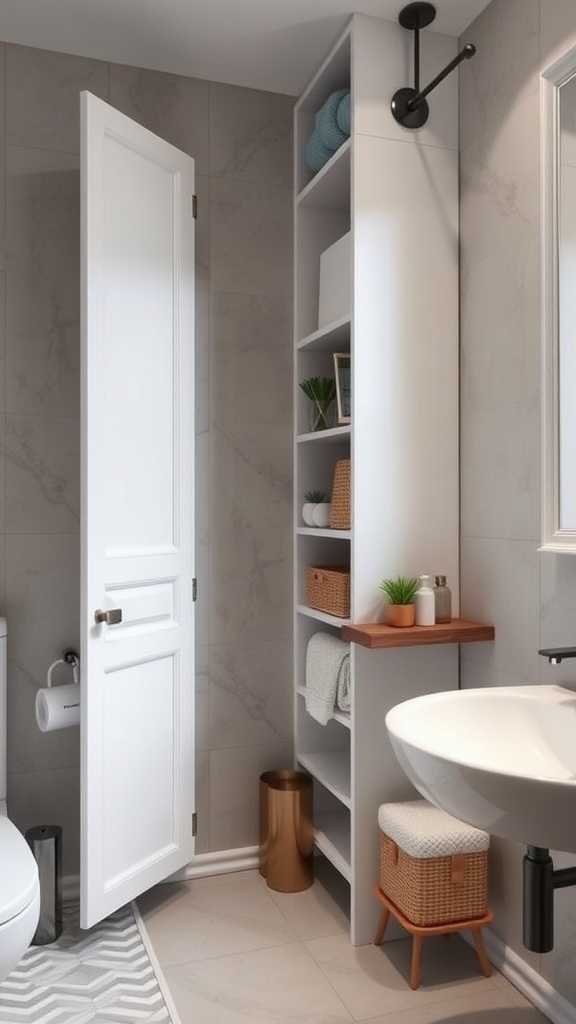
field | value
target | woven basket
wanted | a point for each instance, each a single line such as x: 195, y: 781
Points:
x: 434, y: 890
x: 328, y: 589
x: 340, y: 502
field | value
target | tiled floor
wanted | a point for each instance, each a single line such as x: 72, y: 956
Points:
x: 235, y: 952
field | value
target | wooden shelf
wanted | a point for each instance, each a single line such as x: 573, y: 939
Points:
x: 376, y: 635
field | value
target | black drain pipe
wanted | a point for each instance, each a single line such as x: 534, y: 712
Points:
x: 539, y: 879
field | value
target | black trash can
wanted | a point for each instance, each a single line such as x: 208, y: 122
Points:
x: 286, y: 850
x: 45, y: 841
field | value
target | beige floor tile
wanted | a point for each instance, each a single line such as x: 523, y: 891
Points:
x: 188, y: 922
x: 372, y: 980
x: 490, y: 1007
x: 282, y: 984
x: 321, y: 910
x: 236, y: 952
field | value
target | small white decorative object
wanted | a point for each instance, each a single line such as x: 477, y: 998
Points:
x: 335, y: 277
x: 321, y: 514
x: 307, y: 511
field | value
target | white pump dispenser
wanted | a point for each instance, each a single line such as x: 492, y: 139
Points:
x: 424, y: 602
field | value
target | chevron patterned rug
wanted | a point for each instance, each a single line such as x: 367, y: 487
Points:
x: 107, y: 975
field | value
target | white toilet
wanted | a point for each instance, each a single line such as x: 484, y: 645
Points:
x: 19, y: 884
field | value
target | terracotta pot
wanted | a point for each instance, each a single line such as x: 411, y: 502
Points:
x: 400, y: 614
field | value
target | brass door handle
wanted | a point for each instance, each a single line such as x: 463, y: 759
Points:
x: 111, y: 617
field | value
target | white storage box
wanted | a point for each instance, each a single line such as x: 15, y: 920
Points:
x: 335, y: 282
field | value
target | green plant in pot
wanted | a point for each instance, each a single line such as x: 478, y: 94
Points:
x: 400, y: 591
x: 321, y: 391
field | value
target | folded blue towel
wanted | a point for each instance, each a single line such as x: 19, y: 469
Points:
x: 316, y: 154
x: 343, y: 114
x: 326, y: 127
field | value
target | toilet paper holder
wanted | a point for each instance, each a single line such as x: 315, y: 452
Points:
x: 58, y: 707
x: 69, y: 657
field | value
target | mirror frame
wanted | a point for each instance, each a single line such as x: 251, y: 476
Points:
x: 553, y: 537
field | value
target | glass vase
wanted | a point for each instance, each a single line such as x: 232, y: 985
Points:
x: 321, y: 414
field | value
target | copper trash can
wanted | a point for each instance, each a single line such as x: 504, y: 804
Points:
x: 286, y: 831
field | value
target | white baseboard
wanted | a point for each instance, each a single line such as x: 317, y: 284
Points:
x: 527, y: 980
x: 221, y: 862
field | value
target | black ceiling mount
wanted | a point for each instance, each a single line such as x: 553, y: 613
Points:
x: 408, y: 104
x: 417, y: 15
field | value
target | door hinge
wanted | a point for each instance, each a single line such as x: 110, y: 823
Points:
x: 194, y: 588
x: 195, y: 207
x: 194, y: 824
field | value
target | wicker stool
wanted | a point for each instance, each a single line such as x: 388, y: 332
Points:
x: 433, y: 876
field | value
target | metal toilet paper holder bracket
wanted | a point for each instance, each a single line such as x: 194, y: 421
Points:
x: 69, y: 657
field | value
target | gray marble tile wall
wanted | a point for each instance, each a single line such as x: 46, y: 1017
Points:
x: 241, y: 141
x: 530, y: 597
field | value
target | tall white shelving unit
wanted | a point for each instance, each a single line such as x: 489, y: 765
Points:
x: 396, y: 191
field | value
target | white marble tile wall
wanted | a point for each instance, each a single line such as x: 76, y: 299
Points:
x: 241, y: 141
x: 530, y: 597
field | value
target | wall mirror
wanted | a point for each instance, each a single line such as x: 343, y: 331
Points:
x: 558, y: 93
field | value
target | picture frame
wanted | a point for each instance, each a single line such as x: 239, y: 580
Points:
x: 343, y: 377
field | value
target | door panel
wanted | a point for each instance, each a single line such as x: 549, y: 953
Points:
x: 137, y: 509
x: 139, y: 316
x: 150, y: 830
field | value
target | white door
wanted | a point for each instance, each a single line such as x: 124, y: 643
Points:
x: 137, y: 731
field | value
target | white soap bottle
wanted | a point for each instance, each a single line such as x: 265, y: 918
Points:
x: 424, y: 602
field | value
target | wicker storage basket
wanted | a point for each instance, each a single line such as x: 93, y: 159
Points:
x: 328, y: 589
x: 434, y: 890
x: 340, y: 502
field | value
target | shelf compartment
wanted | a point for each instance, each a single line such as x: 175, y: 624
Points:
x: 314, y: 531
x: 376, y: 635
x: 333, y: 74
x: 329, y: 189
x: 332, y: 769
x: 332, y: 837
x: 328, y: 338
x: 330, y: 620
x: 335, y: 435
x: 343, y: 717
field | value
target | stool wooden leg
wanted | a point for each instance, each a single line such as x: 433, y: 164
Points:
x: 480, y: 949
x: 417, y: 942
x: 382, y: 923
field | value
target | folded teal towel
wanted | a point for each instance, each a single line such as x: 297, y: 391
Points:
x: 326, y: 126
x: 316, y: 154
x: 343, y: 114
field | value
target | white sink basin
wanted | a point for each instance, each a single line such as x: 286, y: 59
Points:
x: 500, y: 758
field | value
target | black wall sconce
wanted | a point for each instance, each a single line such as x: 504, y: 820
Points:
x: 408, y: 105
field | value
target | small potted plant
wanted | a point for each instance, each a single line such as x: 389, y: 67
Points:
x: 400, y: 591
x: 311, y: 500
x: 321, y: 391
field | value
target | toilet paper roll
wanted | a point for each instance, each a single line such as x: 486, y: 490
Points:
x: 58, y: 707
